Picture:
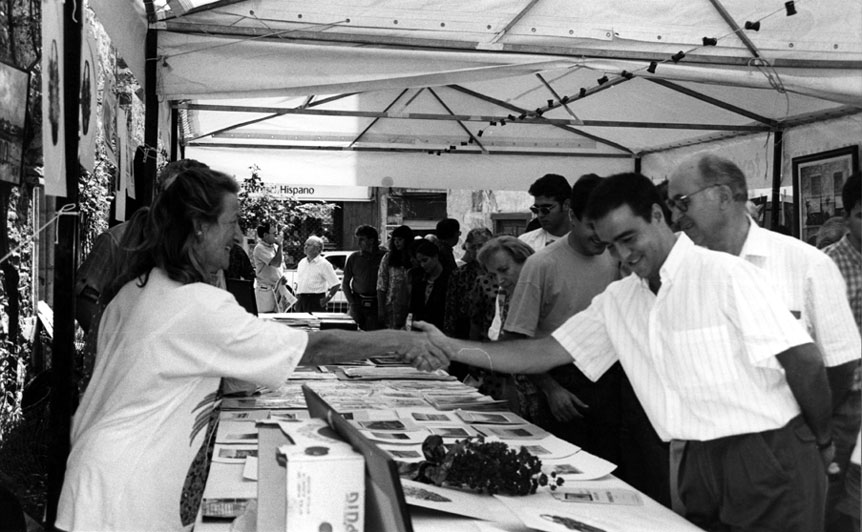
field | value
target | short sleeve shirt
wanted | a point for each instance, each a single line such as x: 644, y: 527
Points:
x: 162, y: 350
x: 811, y: 286
x: 700, y: 353
x: 849, y: 262
x: 539, y: 238
x: 265, y: 274
x: 555, y: 283
x: 362, y: 270
x: 315, y: 276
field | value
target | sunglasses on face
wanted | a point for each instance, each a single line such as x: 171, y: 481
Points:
x: 543, y: 209
x: 681, y: 202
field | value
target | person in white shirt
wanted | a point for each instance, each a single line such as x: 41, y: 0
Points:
x: 316, y: 281
x: 551, y: 195
x: 707, y: 196
x: 269, y: 279
x: 167, y: 337
x: 713, y: 356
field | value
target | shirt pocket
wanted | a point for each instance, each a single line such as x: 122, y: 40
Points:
x: 702, y: 358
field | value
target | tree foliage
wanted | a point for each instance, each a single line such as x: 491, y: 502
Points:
x: 19, y: 46
x: 258, y: 205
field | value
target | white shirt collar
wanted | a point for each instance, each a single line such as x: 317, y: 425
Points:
x: 756, y: 241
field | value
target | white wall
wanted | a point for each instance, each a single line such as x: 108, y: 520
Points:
x: 753, y: 153
x: 408, y: 170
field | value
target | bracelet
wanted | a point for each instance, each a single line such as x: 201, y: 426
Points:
x: 825, y: 445
x: 490, y: 364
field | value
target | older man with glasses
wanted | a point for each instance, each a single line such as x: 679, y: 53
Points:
x: 551, y: 195
x: 707, y: 196
x: 316, y: 281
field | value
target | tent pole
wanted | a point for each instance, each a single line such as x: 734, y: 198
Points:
x: 175, y: 132
x: 151, y: 119
x: 64, y: 389
x: 777, y: 152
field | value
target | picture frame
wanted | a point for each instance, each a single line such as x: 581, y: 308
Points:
x: 817, y: 182
x: 13, y: 118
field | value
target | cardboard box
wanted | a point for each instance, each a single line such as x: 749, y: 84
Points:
x: 324, y: 479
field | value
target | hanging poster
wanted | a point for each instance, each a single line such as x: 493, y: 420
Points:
x: 53, y: 123
x: 89, y: 83
x: 14, y: 85
x: 109, y: 113
x: 125, y: 153
x: 129, y: 168
x: 165, y: 131
x: 119, y: 188
x: 122, y: 182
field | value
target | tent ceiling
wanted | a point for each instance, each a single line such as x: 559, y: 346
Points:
x: 543, y: 78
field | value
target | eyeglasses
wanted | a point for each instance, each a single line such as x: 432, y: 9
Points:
x: 681, y: 202
x: 544, y: 209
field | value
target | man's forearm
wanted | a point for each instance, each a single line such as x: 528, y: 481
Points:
x: 516, y: 356
x: 806, y: 376
x: 331, y: 347
x: 345, y: 288
x: 277, y: 258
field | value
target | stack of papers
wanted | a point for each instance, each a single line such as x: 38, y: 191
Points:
x: 391, y: 372
x: 466, y: 401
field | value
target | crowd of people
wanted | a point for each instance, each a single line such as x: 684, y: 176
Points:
x: 647, y: 324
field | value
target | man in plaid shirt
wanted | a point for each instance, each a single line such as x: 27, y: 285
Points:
x: 846, y: 252
x: 847, y: 255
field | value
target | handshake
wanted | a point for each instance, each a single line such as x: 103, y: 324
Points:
x: 428, y: 349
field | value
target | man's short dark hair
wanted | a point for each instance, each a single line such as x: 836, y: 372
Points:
x: 368, y: 232
x: 851, y: 192
x: 263, y: 229
x: 581, y: 191
x: 632, y: 189
x: 551, y: 186
x: 447, y: 228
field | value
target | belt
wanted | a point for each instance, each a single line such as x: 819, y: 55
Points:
x: 363, y: 296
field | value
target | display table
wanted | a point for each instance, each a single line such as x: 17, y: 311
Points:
x: 360, y: 391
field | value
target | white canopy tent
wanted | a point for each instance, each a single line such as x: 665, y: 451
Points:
x: 487, y: 94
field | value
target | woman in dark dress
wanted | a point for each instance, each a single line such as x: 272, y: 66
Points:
x: 428, y: 285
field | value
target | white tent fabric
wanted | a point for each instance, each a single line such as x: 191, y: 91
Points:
x: 502, y: 89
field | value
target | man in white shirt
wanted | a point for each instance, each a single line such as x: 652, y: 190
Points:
x: 316, y: 281
x: 267, y: 260
x: 713, y: 356
x: 707, y: 196
x: 551, y: 194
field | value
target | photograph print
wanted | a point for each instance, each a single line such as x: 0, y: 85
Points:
x: 14, y: 84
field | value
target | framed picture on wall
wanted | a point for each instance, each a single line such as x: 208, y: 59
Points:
x: 13, y: 114
x: 817, y: 182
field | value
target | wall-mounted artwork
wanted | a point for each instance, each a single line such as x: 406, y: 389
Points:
x: 817, y: 183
